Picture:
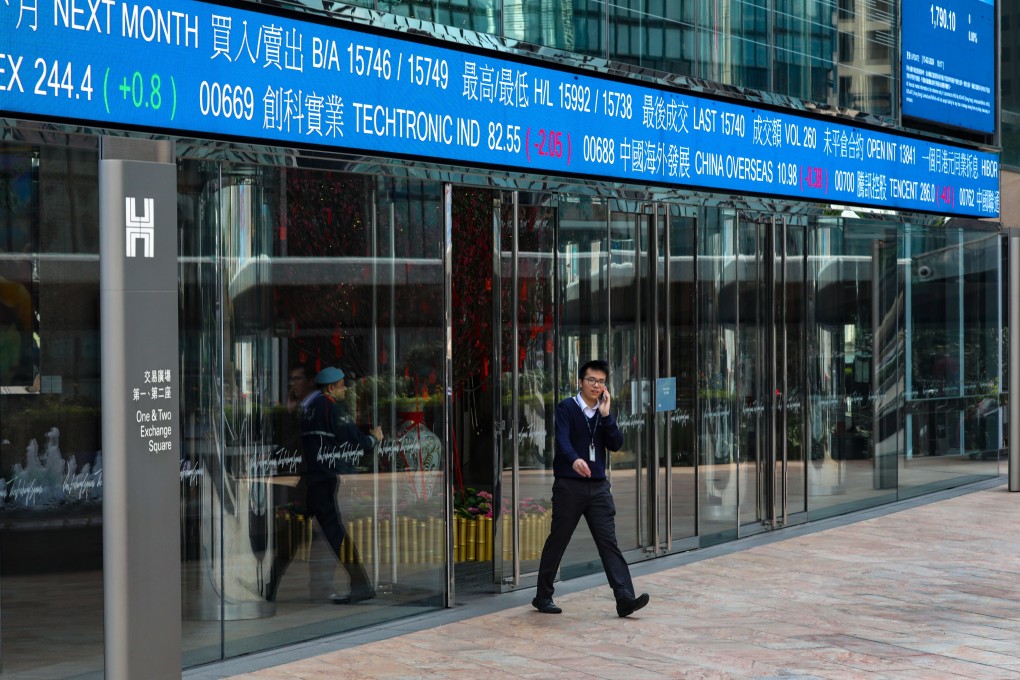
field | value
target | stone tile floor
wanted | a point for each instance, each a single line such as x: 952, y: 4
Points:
x: 932, y: 591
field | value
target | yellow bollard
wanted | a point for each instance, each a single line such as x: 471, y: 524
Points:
x: 525, y: 535
x: 507, y: 538
x: 481, y: 540
x: 529, y: 533
x: 472, y: 528
x: 402, y: 541
x: 539, y: 537
x: 367, y: 554
x: 306, y: 543
x: 489, y: 539
x: 432, y: 540
x: 461, y: 539
x: 288, y: 534
x: 359, y: 540
x: 441, y: 556
x: 456, y: 537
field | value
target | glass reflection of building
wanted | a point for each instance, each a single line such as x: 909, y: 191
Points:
x: 826, y: 358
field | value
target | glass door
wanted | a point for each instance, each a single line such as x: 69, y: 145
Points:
x: 854, y: 350
x: 651, y: 354
x: 526, y: 226
x: 679, y: 366
x: 633, y: 335
x: 756, y: 373
x: 769, y: 330
x: 480, y: 417
x: 503, y: 394
x: 751, y: 421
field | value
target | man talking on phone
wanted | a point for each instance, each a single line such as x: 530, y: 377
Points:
x: 586, y: 431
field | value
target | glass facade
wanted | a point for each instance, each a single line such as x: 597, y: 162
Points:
x: 822, y: 52
x: 302, y: 270
x: 820, y: 359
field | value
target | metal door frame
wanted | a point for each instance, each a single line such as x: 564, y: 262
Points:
x: 772, y: 461
x: 500, y: 419
x: 654, y: 532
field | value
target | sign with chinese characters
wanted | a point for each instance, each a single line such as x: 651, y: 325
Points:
x: 141, y: 431
x: 205, y: 69
x: 948, y: 67
x: 153, y: 413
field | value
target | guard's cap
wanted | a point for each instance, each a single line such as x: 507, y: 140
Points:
x: 329, y: 375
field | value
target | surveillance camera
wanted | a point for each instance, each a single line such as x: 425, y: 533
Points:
x: 925, y: 272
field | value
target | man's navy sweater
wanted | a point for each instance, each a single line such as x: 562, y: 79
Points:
x: 573, y: 435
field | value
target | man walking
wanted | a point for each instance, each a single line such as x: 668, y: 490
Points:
x: 585, y: 431
x: 332, y: 444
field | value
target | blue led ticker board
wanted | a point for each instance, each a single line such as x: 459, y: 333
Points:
x: 948, y: 64
x: 205, y: 69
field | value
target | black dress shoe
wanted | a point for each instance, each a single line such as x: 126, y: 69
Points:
x: 628, y: 607
x: 546, y: 605
x: 357, y: 595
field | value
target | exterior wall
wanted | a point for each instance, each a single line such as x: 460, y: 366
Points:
x: 292, y: 256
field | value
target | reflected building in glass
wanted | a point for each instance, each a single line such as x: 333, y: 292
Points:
x: 822, y: 357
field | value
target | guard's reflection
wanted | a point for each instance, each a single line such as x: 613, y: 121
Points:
x: 331, y: 444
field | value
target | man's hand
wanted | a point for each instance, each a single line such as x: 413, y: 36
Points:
x: 604, y: 403
x: 581, y: 468
x: 377, y: 433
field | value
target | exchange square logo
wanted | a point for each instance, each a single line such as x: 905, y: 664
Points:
x: 139, y: 226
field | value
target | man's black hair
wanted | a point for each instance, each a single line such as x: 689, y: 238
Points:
x: 306, y: 368
x: 594, y: 364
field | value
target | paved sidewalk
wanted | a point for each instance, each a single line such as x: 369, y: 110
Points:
x: 929, y: 591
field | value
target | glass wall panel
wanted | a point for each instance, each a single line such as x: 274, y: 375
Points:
x: 470, y: 15
x: 401, y: 324
x: 804, y: 35
x: 534, y: 356
x: 51, y: 468
x: 953, y: 424
x: 477, y: 294
x: 733, y: 42
x: 790, y: 306
x: 684, y: 365
x: 854, y: 294
x: 632, y: 326
x: 754, y: 366
x: 865, y: 57
x: 315, y: 270
x: 572, y: 25
x: 717, y: 407
x: 582, y: 291
x: 201, y: 380
x: 652, y: 34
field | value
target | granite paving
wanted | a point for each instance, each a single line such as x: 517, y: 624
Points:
x: 929, y: 591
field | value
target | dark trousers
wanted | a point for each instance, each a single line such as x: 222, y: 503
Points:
x: 322, y: 504
x: 320, y: 497
x: 592, y: 499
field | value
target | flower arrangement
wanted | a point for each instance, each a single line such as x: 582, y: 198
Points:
x: 471, y: 503
x: 534, y: 506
